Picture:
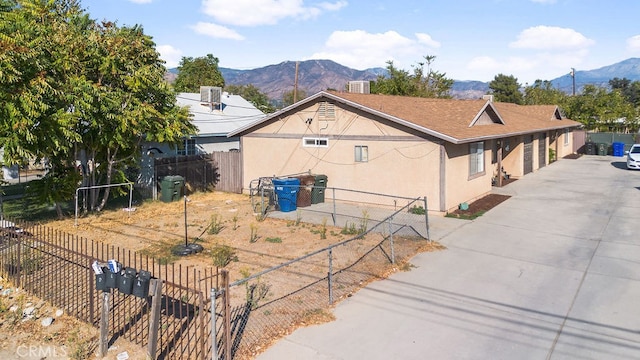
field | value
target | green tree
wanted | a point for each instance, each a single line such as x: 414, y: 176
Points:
x: 598, y: 108
x: 196, y: 72
x: 253, y: 95
x: 74, y: 89
x: 421, y: 83
x: 630, y: 90
x: 288, y: 97
x: 543, y: 93
x: 506, y: 89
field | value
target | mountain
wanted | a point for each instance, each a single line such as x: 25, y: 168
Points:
x: 629, y: 69
x: 313, y: 76
x: 318, y: 75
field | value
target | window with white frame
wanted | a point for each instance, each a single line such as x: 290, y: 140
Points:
x: 476, y: 158
x: 187, y: 147
x: 566, y: 136
x: 361, y: 153
x: 315, y: 142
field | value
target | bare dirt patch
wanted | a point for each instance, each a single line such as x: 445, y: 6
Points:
x: 480, y: 206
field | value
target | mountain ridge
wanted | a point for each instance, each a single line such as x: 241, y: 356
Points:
x: 317, y: 75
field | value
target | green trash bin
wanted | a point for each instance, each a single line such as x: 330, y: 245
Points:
x: 603, y: 148
x: 319, y: 187
x: 171, y: 188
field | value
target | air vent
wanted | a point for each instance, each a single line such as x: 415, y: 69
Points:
x: 359, y: 87
x: 210, y: 94
x: 489, y: 98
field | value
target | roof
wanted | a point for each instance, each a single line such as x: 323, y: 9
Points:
x: 236, y: 113
x: 456, y: 121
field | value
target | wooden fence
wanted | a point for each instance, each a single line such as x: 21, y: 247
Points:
x: 56, y: 267
x: 219, y: 170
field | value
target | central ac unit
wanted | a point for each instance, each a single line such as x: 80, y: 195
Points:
x: 210, y: 94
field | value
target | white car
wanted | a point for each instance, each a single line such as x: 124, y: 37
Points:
x: 633, y: 157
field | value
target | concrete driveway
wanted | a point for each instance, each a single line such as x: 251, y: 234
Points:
x: 552, y: 273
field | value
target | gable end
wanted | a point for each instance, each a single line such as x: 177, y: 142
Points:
x: 487, y: 116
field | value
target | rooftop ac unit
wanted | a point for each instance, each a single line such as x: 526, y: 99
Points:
x: 210, y: 94
x: 359, y: 87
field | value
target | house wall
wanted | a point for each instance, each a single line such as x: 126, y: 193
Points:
x: 460, y: 187
x: 558, y: 144
x: 399, y: 163
x: 513, y: 160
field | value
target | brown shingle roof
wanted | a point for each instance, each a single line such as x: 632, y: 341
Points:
x: 452, y: 118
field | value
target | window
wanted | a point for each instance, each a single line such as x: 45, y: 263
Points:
x: 315, y: 142
x: 362, y: 153
x: 566, y: 136
x: 187, y: 147
x: 476, y: 158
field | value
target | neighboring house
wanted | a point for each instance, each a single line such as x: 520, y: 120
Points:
x: 447, y: 150
x: 215, y: 114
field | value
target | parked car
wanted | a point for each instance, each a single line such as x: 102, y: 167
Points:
x: 633, y: 157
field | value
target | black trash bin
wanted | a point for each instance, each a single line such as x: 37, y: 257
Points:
x: 141, y: 284
x: 319, y: 187
x: 591, y: 148
x: 125, y: 281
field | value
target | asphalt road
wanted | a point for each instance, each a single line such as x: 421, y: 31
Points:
x: 552, y: 273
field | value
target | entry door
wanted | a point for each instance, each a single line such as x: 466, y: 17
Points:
x: 528, y: 154
x: 542, y: 150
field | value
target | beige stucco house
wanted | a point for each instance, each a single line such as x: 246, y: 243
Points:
x: 447, y: 150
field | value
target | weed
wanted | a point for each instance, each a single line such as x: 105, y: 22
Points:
x: 267, y: 312
x: 349, y: 229
x: 298, y: 217
x: 235, y: 222
x: 417, y: 210
x: 364, y: 222
x: 215, y: 225
x: 466, y: 216
x: 273, y: 240
x: 254, y: 233
x: 223, y: 255
x: 323, y: 229
x: 405, y: 266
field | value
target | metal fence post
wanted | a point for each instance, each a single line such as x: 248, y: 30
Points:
x: 426, y: 218
x: 214, y: 335
x: 393, y: 254
x: 334, y: 214
x: 330, y: 276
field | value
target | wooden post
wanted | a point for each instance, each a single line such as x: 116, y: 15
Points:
x: 154, y: 321
x: 226, y: 315
x: 104, y: 325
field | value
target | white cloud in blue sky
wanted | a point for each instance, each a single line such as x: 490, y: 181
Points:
x: 472, y: 40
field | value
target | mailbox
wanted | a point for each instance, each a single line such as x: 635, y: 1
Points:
x: 141, y: 284
x: 125, y: 280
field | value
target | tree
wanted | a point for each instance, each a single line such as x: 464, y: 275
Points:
x: 630, y: 90
x: 287, y: 97
x: 543, y: 93
x: 598, y: 108
x: 253, y: 95
x: 71, y: 88
x: 506, y: 89
x: 201, y: 71
x: 429, y: 83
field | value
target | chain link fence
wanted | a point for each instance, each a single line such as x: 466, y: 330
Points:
x: 253, y: 312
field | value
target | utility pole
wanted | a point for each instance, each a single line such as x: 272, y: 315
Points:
x: 573, y: 78
x: 295, y: 85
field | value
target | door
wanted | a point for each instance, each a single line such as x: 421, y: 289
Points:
x: 528, y: 154
x: 542, y: 150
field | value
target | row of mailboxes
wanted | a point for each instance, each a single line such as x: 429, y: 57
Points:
x: 127, y: 280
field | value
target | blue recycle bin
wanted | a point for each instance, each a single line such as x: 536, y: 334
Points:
x: 618, y: 148
x: 287, y: 193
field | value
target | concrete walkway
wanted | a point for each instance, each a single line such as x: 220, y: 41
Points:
x: 552, y: 273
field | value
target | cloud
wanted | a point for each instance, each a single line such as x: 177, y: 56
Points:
x: 551, y: 38
x: 360, y: 50
x: 264, y: 12
x: 633, y: 44
x: 170, y: 55
x: 216, y: 31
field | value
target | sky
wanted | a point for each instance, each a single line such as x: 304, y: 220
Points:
x: 471, y: 40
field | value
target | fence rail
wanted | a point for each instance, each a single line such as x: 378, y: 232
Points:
x: 56, y: 267
x: 253, y: 311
